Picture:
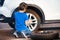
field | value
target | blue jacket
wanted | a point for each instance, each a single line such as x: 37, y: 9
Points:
x: 20, y: 18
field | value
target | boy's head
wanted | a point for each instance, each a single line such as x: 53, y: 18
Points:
x: 22, y: 6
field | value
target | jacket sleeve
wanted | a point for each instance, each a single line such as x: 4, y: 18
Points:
x: 26, y: 17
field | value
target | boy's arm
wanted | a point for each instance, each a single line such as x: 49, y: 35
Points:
x: 27, y: 20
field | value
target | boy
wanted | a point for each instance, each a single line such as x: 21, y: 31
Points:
x: 21, y: 21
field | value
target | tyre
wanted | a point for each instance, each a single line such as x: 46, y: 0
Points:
x: 45, y: 36
x: 34, y: 25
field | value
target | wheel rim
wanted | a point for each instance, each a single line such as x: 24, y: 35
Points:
x: 32, y: 26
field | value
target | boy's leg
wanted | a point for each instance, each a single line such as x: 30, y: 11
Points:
x: 25, y: 35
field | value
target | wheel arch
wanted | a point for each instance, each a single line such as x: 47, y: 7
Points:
x: 38, y: 10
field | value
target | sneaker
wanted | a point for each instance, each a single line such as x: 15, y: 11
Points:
x: 15, y: 34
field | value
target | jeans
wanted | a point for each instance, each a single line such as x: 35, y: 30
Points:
x: 26, y: 33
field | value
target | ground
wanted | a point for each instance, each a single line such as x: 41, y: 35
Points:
x: 6, y: 31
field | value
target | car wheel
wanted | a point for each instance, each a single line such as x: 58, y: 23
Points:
x: 35, y: 24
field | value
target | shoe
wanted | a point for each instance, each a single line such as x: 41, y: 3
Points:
x: 15, y: 34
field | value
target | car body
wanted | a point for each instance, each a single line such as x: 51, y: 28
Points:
x: 46, y: 9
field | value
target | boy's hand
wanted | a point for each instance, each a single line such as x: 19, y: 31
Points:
x: 27, y: 22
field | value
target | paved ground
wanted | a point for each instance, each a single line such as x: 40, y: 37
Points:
x: 5, y: 30
x: 7, y: 35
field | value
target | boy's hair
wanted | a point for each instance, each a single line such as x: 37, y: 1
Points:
x: 22, y: 6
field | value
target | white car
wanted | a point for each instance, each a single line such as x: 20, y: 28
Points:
x: 38, y: 11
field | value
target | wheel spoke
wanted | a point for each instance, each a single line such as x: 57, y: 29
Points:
x: 29, y: 27
x: 34, y: 19
x: 34, y: 22
x: 30, y: 16
x: 32, y: 26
